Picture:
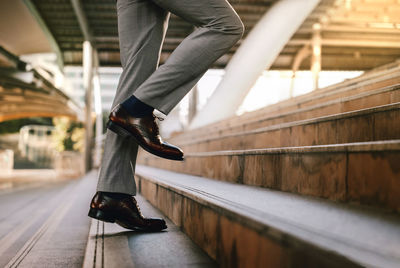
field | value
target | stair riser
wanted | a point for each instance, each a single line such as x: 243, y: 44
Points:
x: 369, y: 178
x: 233, y: 123
x: 367, y: 127
x: 232, y: 241
x: 323, y: 96
x: 335, y: 108
x: 352, y: 92
x: 353, y: 105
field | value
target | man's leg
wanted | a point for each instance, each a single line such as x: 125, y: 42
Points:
x: 141, y: 28
x: 219, y: 28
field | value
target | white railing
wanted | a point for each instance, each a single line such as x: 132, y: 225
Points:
x: 6, y: 161
x: 35, y: 144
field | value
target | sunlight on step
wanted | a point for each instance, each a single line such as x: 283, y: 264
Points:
x: 271, y: 87
x: 274, y: 86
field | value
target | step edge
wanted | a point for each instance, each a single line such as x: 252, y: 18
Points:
x: 321, y: 119
x: 325, y: 104
x: 274, y: 229
x: 360, y: 95
x: 91, y: 253
x: 374, y: 146
x: 306, y: 98
x: 350, y: 82
x: 351, y: 87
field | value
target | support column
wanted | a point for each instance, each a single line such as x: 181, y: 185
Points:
x: 193, y: 98
x: 303, y: 53
x: 316, y: 54
x: 90, y: 59
x: 257, y: 53
x: 50, y: 37
x: 87, y: 84
x: 99, y: 113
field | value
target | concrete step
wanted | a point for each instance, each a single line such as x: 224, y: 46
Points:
x: 350, y: 91
x: 378, y: 123
x: 365, y: 100
x: 345, y: 89
x: 375, y: 98
x: 110, y: 245
x: 367, y: 173
x: 369, y: 81
x: 245, y: 226
x: 315, y: 98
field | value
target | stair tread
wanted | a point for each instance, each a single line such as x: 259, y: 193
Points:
x: 119, y: 247
x: 366, y: 235
x: 315, y: 120
x: 271, y: 110
x: 369, y: 146
x: 330, y: 102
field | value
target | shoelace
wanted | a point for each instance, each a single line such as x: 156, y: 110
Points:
x: 159, y: 117
x: 137, y: 207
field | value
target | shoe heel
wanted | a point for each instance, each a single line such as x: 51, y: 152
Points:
x: 100, y: 215
x: 117, y: 129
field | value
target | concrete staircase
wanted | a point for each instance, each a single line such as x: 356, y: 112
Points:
x: 313, y: 181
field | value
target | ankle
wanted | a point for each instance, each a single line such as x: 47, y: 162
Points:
x: 116, y: 195
x: 136, y: 107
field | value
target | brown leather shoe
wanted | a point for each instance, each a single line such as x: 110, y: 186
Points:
x: 124, y: 212
x: 145, y: 132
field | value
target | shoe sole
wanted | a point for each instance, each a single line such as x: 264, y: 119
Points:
x: 101, y: 216
x: 125, y: 133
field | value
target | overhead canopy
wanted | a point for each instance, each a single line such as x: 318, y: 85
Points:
x: 356, y: 34
x: 19, y: 31
x: 25, y: 92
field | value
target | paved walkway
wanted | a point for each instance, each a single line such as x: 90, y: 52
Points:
x: 44, y: 223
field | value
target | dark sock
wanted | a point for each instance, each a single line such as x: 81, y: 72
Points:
x: 116, y: 195
x: 137, y: 108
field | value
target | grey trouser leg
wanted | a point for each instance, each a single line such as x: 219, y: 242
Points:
x: 141, y: 28
x: 219, y: 28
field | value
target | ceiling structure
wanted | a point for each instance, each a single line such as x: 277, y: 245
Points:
x: 26, y: 92
x: 356, y: 34
x: 19, y: 31
x: 20, y: 99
